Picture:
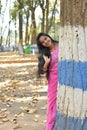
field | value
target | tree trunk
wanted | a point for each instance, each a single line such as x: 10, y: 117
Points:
x: 42, y: 6
x: 52, y: 17
x: 43, y: 20
x: 20, y: 35
x: 27, y: 26
x: 72, y: 89
x: 20, y: 28
x: 33, y: 37
x: 47, y: 13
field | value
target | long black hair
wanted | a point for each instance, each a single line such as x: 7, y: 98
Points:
x: 43, y: 51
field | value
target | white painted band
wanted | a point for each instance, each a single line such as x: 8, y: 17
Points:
x: 72, y: 102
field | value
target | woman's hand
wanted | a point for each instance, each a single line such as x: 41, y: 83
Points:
x: 47, y: 61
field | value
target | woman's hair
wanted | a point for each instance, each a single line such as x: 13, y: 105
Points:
x: 43, y: 51
x: 41, y: 63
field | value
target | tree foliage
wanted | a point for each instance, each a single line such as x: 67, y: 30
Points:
x: 23, y: 15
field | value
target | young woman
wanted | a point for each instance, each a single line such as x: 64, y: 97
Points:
x: 48, y: 51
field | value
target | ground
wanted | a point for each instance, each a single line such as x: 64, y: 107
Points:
x: 23, y: 97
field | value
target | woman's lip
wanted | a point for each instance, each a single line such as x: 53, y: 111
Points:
x: 48, y: 43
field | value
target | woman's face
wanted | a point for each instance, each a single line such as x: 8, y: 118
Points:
x: 45, y: 41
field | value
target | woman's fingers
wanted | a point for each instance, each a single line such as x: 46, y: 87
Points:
x: 46, y: 58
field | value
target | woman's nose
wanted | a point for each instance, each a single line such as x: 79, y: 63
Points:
x: 45, y: 41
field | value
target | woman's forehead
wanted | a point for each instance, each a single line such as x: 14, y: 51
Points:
x: 42, y: 37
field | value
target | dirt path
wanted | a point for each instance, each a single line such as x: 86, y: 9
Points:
x: 22, y: 95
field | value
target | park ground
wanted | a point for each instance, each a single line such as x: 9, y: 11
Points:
x: 23, y: 97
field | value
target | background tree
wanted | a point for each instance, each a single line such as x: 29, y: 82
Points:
x: 17, y: 13
x: 20, y: 14
x: 53, y: 10
x: 24, y: 16
x: 0, y: 26
x: 33, y: 5
x: 42, y: 6
x: 14, y: 17
x: 27, y: 14
x: 47, y: 14
x: 72, y: 90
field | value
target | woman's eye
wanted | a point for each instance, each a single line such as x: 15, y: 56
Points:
x: 45, y: 38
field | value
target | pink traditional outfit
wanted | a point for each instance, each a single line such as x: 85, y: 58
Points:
x: 52, y: 90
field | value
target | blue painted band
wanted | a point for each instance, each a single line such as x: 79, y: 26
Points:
x: 72, y: 73
x: 70, y: 123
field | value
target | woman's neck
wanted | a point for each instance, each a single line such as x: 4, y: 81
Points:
x: 53, y: 47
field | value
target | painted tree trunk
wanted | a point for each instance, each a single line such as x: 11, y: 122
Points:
x: 72, y: 90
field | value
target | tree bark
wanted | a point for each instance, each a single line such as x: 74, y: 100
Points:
x: 33, y: 27
x: 27, y: 28
x: 72, y: 89
x: 20, y: 29
x: 47, y: 13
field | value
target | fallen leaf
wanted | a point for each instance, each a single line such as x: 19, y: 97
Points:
x: 16, y: 126
x: 36, y: 120
x: 5, y: 119
x: 1, y: 122
x: 43, y: 108
x: 34, y: 100
x: 37, y: 116
x: 2, y: 115
x: 32, y: 111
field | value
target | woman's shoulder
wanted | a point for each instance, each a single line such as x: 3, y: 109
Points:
x: 56, y: 47
x: 55, y: 50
